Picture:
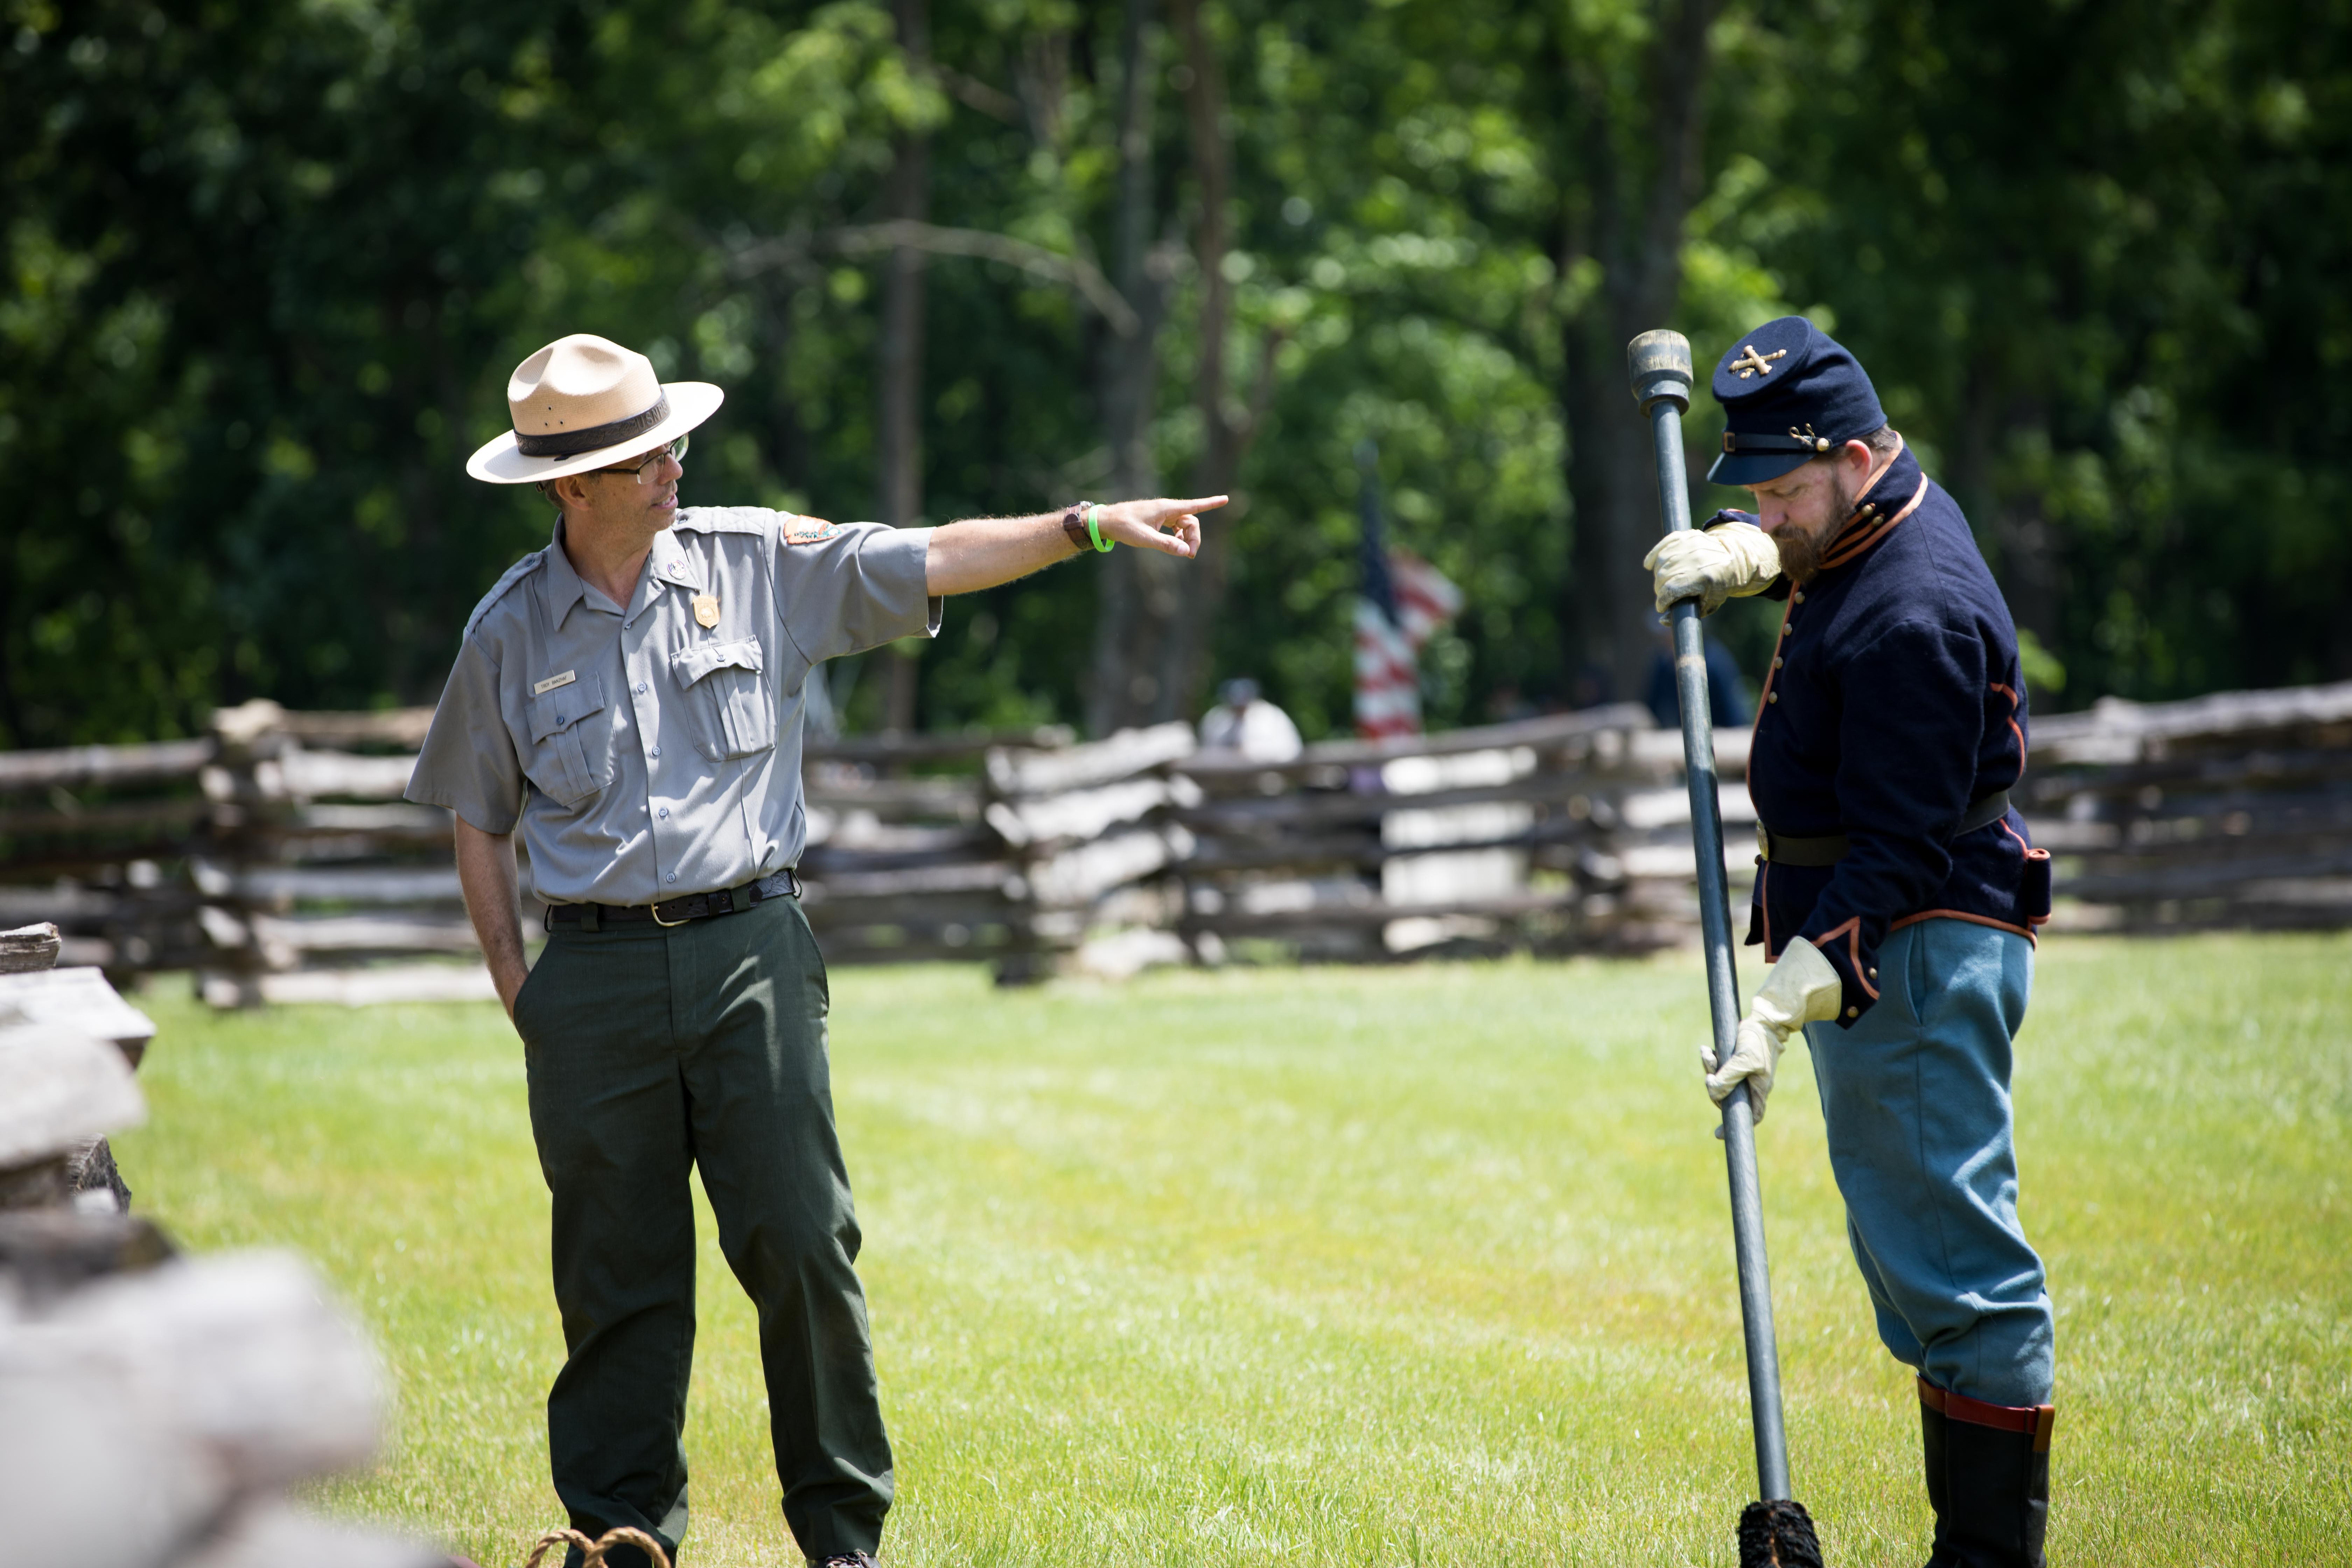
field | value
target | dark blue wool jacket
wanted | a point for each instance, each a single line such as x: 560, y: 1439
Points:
x: 1893, y: 701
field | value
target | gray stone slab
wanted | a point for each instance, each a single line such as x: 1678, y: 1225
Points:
x: 79, y: 999
x: 58, y: 1089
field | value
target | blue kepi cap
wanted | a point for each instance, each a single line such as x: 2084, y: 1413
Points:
x: 1790, y: 393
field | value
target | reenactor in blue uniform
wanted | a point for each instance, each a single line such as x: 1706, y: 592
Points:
x: 1896, y: 897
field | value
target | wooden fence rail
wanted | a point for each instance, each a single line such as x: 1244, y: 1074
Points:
x: 275, y: 857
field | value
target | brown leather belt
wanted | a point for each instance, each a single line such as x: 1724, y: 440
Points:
x: 1831, y: 847
x: 784, y: 884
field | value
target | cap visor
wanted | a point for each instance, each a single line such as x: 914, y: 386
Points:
x: 1755, y: 468
x: 690, y: 403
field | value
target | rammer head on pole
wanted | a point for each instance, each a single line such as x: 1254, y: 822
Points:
x: 1658, y: 364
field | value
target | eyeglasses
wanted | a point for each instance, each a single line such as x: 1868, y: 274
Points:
x: 674, y: 451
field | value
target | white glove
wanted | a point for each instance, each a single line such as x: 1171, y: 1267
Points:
x: 1803, y: 989
x: 1729, y: 560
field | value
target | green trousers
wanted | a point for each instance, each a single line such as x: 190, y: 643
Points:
x: 652, y: 1051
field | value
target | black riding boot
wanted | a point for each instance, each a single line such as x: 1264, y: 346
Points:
x: 1993, y: 1503
x: 1931, y: 1455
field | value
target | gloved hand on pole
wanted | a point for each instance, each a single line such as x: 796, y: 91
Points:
x: 1728, y: 560
x: 1803, y: 989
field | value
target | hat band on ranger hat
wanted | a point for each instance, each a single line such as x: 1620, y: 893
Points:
x: 572, y: 443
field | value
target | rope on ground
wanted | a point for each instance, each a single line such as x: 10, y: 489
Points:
x: 593, y: 1552
x: 559, y: 1538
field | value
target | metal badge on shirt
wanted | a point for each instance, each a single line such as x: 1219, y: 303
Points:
x: 705, y: 610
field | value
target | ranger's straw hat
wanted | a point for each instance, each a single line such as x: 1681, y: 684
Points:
x: 585, y: 402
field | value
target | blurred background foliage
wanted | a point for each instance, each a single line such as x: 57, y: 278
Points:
x: 269, y: 262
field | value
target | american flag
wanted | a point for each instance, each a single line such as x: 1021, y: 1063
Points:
x: 1402, y: 601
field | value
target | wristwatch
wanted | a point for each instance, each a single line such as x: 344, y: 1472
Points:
x: 1085, y: 528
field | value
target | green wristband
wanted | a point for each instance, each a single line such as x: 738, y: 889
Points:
x: 1094, y: 528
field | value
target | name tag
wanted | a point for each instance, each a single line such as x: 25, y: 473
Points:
x: 553, y: 681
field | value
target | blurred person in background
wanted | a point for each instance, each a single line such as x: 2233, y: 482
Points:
x: 1726, y: 689
x: 1245, y: 722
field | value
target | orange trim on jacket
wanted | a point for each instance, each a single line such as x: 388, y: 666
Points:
x: 1846, y: 550
x: 1850, y: 928
x: 2014, y: 728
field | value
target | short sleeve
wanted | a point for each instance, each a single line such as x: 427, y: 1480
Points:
x: 468, y: 763
x: 843, y: 588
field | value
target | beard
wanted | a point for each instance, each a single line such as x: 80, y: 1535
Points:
x: 1802, y: 545
x: 1801, y: 553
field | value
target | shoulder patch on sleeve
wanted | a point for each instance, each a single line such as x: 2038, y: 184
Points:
x: 727, y: 520
x: 809, y: 529
x: 499, y: 590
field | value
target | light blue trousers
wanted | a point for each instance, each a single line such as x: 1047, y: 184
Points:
x: 1915, y: 1097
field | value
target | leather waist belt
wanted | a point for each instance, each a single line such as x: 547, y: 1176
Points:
x: 1831, y: 847
x: 784, y: 884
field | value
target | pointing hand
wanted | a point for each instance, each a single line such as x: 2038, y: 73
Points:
x: 1171, y: 527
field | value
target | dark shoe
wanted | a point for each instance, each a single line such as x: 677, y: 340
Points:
x: 844, y: 1560
x: 1996, y: 1489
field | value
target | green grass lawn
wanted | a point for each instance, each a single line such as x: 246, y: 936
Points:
x: 1380, y: 1268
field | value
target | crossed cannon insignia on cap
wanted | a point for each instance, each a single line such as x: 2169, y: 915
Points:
x: 1750, y: 362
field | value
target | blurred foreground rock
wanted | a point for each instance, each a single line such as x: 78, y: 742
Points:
x: 153, y: 1408
x: 155, y: 1416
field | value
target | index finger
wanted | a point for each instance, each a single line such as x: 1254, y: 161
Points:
x: 1207, y: 503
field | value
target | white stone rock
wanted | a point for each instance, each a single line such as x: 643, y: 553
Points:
x: 143, y: 1407
x: 84, y: 1477
x: 60, y: 1088
x: 268, y: 1533
x: 79, y: 999
x: 251, y: 1359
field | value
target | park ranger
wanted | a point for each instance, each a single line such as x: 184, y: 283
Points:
x: 630, y: 698
x: 1896, y: 896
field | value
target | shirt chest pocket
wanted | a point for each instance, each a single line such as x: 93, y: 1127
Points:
x: 727, y: 702
x: 571, y: 742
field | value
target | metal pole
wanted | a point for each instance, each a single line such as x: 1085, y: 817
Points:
x: 1659, y: 365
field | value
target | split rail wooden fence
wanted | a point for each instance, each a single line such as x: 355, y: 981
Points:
x: 275, y: 858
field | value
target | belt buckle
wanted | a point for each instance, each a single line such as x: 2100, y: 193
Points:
x: 1763, y: 840
x: 654, y: 910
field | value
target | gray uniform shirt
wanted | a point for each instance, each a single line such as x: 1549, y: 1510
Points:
x: 652, y: 752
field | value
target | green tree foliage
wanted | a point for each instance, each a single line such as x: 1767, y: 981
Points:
x: 2094, y: 257
x: 268, y: 267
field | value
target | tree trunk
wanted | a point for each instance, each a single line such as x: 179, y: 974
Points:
x: 898, y: 432
x: 1228, y: 431
x: 2022, y: 545
x: 1137, y: 607
x: 1633, y: 230
x: 1160, y: 612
